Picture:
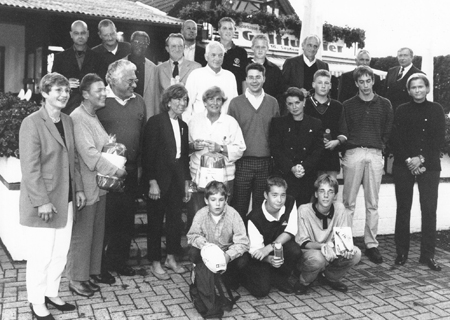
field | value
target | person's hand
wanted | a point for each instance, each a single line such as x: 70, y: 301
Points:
x: 330, y: 144
x: 328, y: 252
x: 227, y: 257
x: 416, y: 172
x: 187, y: 196
x: 348, y: 254
x: 299, y: 171
x: 212, y: 146
x: 121, y: 173
x: 81, y: 199
x: 154, y: 192
x: 198, y: 145
x: 47, y: 211
x: 74, y: 83
x: 259, y: 254
x: 276, y: 262
x: 414, y: 163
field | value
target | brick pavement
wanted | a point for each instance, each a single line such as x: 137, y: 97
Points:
x: 375, y: 292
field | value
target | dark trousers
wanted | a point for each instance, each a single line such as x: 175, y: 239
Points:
x: 119, y: 223
x: 170, y: 204
x: 428, y: 183
x: 259, y: 276
x: 250, y: 180
x: 301, y: 189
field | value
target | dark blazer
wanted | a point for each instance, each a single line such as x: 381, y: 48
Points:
x: 348, y: 88
x: 46, y: 163
x: 293, y: 70
x: 396, y: 90
x: 199, y: 55
x: 291, y: 145
x: 159, y: 151
x: 66, y: 64
x: 123, y: 49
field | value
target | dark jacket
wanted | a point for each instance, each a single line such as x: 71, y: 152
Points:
x: 293, y: 71
x: 348, y: 88
x: 396, y: 90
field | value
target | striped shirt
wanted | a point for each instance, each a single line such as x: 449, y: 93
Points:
x: 366, y: 123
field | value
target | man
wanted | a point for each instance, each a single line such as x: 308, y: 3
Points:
x: 315, y: 236
x: 396, y: 78
x: 365, y: 126
x: 254, y: 111
x: 204, y: 78
x: 192, y: 51
x: 274, y: 84
x: 329, y: 111
x: 146, y: 73
x: 110, y: 49
x: 177, y: 68
x: 417, y: 138
x: 275, y: 222
x: 299, y: 71
x: 347, y: 88
x: 123, y: 115
x: 77, y: 61
x: 235, y: 58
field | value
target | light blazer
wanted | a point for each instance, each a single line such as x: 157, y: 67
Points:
x: 396, y: 90
x: 293, y: 70
x: 46, y: 163
x: 165, y: 73
x: 151, y: 90
x: 159, y: 151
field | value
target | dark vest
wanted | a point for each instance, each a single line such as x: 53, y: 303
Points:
x: 270, y: 230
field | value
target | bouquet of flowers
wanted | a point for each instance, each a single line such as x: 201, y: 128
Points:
x: 115, y: 153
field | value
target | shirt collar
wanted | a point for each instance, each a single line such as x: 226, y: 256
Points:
x: 323, y: 217
x: 111, y: 94
x: 270, y: 217
x: 307, y: 62
x: 406, y: 69
x: 114, y: 51
x: 179, y: 61
x: 248, y: 95
x: 212, y: 71
x: 191, y: 47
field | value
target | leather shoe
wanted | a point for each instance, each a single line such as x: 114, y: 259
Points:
x: 335, y: 285
x: 175, y: 267
x: 300, y: 289
x: 284, y: 287
x: 104, y: 277
x: 81, y: 288
x: 61, y: 307
x: 374, y: 255
x: 47, y: 317
x: 126, y: 271
x: 401, y: 259
x: 160, y: 276
x: 431, y: 263
x: 93, y: 286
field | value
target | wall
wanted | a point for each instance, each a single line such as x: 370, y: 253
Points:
x: 13, y: 38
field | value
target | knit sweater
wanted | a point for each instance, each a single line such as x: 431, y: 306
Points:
x: 90, y: 137
x: 254, y: 123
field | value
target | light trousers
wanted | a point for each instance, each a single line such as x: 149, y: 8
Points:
x: 363, y: 165
x: 85, y: 253
x: 46, y: 259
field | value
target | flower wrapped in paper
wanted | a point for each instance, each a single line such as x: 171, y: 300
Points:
x: 212, y: 167
x: 115, y: 153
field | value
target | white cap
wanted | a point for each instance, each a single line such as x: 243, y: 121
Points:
x: 214, y: 258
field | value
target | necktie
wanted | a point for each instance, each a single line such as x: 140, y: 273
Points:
x: 175, y: 69
x: 400, y: 74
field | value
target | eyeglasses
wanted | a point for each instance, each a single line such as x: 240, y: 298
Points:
x: 323, y: 192
x: 251, y: 78
x: 131, y: 81
x: 140, y: 43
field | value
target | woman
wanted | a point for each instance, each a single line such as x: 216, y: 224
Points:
x: 212, y: 131
x: 51, y: 191
x: 85, y: 252
x: 296, y: 144
x: 417, y: 137
x: 166, y: 170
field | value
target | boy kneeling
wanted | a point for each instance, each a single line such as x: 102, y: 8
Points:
x: 216, y: 224
x: 272, y: 225
x: 315, y: 236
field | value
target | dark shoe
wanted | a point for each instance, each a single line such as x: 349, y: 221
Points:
x: 401, y: 259
x: 374, y: 255
x: 126, y: 271
x: 335, y: 285
x: 300, y: 289
x: 81, y: 288
x: 284, y: 287
x: 61, y: 307
x: 431, y: 263
x: 105, y: 277
x: 47, y: 317
x: 93, y: 286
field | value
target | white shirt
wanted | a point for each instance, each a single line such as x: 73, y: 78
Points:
x: 307, y: 62
x: 176, y: 133
x: 255, y: 101
x: 256, y: 238
x: 110, y: 94
x: 115, y: 49
x: 224, y: 131
x: 405, y: 70
x: 202, y: 79
x: 189, y: 52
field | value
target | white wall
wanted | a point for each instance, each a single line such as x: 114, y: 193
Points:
x: 12, y: 37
